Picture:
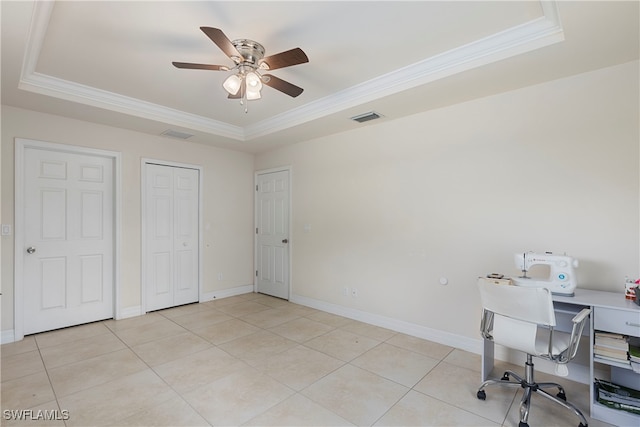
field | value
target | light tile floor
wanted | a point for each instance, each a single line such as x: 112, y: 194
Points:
x: 254, y: 360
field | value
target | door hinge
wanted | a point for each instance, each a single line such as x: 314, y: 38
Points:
x: 256, y: 230
x: 256, y: 188
x: 256, y: 273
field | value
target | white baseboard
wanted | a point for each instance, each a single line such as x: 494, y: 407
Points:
x: 7, y: 336
x: 577, y: 372
x: 134, y: 311
x: 445, y: 338
x: 225, y: 293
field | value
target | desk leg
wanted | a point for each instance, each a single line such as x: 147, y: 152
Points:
x: 487, y: 359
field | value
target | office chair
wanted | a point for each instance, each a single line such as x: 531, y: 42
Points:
x: 522, y: 318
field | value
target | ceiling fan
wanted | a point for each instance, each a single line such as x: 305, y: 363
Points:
x: 250, y: 65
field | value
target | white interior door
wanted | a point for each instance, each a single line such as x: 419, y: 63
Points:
x: 68, y: 263
x: 272, y: 233
x: 172, y: 236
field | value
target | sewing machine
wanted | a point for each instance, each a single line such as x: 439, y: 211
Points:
x: 561, y: 279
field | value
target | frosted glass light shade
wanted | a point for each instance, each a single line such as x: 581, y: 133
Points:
x: 253, y: 94
x: 232, y: 84
x: 253, y: 82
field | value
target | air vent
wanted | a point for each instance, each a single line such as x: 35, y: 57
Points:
x: 175, y: 134
x: 371, y: 115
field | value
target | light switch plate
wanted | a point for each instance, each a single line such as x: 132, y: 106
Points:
x: 6, y: 229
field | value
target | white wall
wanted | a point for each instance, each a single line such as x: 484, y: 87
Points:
x: 395, y: 205
x: 228, y: 199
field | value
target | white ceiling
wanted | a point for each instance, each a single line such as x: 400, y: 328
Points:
x: 110, y: 62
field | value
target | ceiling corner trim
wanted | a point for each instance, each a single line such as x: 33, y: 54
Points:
x: 40, y: 18
x: 514, y: 41
x: 75, y: 92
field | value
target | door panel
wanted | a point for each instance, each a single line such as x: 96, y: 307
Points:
x: 273, y: 234
x: 68, y: 218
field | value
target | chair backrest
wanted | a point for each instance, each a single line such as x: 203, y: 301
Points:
x: 517, y: 313
x: 533, y: 305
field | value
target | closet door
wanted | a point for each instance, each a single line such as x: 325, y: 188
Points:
x: 171, y: 238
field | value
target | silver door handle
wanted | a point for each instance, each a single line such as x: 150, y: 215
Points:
x: 31, y: 250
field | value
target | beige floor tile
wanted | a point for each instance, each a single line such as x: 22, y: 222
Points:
x: 77, y: 376
x: 269, y: 318
x: 301, y: 329
x: 257, y: 346
x: 23, y: 346
x: 416, y: 409
x: 298, y: 367
x: 27, y: 391
x: 47, y: 414
x: 298, y: 410
x: 396, y: 364
x: 418, y: 345
x: 464, y: 359
x: 272, y: 302
x: 201, y: 319
x: 371, y: 331
x: 132, y: 322
x: 544, y: 412
x: 342, y: 344
x: 81, y: 349
x: 329, y: 319
x: 458, y: 387
x: 243, y: 308
x: 20, y: 365
x: 183, y: 310
x: 355, y: 394
x: 175, y: 412
x: 237, y: 398
x: 198, y: 369
x: 161, y: 328
x: 226, y: 331
x: 68, y: 335
x: 170, y: 348
x: 116, y: 400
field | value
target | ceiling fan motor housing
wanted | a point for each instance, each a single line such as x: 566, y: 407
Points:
x: 251, y: 52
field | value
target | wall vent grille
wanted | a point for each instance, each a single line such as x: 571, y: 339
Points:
x: 371, y: 115
x: 175, y: 134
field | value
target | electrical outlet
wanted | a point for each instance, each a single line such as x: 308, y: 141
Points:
x: 354, y: 293
x: 345, y: 291
x: 220, y: 276
x: 6, y: 229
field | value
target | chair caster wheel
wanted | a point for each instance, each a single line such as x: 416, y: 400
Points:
x: 482, y: 395
x: 562, y: 395
x: 521, y: 424
x: 505, y: 377
x: 582, y: 425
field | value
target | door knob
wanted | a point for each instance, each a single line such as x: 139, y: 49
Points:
x: 285, y: 241
x: 31, y: 250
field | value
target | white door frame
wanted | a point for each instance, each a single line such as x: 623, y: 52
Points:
x: 143, y: 225
x: 255, y: 222
x: 21, y: 144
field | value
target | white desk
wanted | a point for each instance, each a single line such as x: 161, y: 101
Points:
x: 611, y: 312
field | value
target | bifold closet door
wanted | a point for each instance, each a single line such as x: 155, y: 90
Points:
x: 171, y: 221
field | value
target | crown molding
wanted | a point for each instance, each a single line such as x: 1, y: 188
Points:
x: 517, y: 40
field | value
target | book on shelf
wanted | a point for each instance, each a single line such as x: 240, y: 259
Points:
x: 610, y: 352
x: 615, y: 343
x: 617, y: 397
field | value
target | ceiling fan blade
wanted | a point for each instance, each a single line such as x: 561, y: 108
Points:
x: 200, y: 66
x: 217, y: 36
x: 285, y: 59
x: 281, y: 85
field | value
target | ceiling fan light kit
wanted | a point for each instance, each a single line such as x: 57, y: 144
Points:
x: 248, y: 56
